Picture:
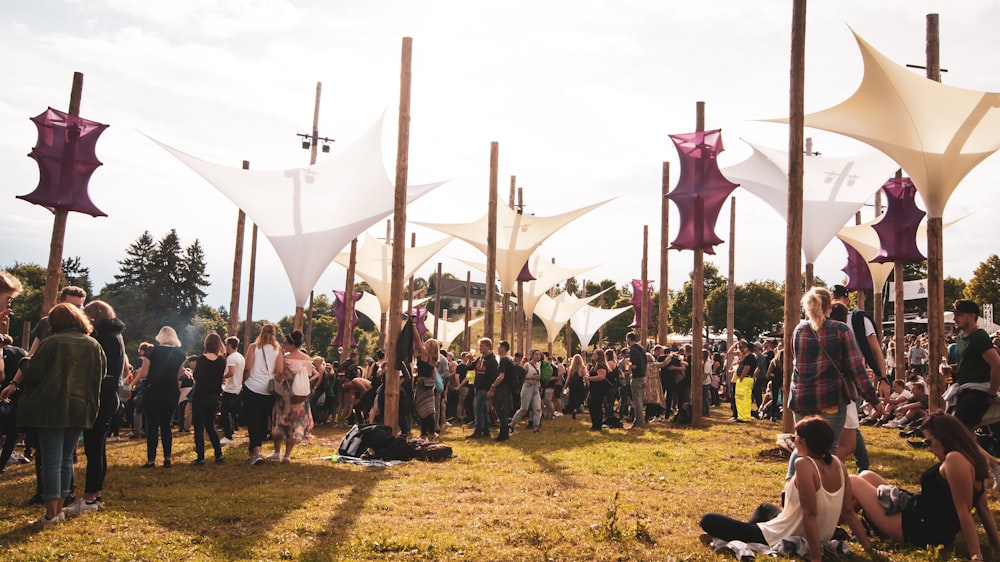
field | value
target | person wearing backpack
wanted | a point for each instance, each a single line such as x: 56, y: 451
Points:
x: 530, y: 395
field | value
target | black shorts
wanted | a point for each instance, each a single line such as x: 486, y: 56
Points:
x: 970, y: 408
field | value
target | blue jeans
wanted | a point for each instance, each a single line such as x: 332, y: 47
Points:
x: 482, y: 411
x: 56, y: 453
x: 836, y: 421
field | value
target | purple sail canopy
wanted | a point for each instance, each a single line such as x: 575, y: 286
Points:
x: 419, y: 316
x: 701, y: 190
x: 897, y: 230
x: 66, y: 157
x: 340, y: 313
x: 525, y: 274
x: 859, y: 277
x: 642, y: 303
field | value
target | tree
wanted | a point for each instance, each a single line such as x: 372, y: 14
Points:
x: 74, y: 273
x: 954, y: 289
x: 757, y: 306
x: 984, y: 287
x: 27, y: 307
x: 680, y: 307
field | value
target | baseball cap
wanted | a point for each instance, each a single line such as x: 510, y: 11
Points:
x: 966, y: 306
x: 839, y: 291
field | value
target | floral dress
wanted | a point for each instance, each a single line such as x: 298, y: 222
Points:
x: 292, y: 422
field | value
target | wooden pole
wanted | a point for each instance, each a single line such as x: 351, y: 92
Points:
x: 53, y: 273
x: 793, y: 236
x: 299, y: 310
x: 860, y: 295
x: 878, y: 304
x: 731, y: 280
x: 663, y: 318
x: 491, y: 243
x: 935, y: 255
x: 437, y: 302
x: 251, y: 280
x: 309, y: 325
x: 643, y: 325
x: 352, y: 265
x: 391, y: 413
x: 382, y: 316
x: 899, y: 319
x: 467, y: 333
x: 524, y: 324
x: 234, y: 297
x: 409, y: 307
x: 697, y: 310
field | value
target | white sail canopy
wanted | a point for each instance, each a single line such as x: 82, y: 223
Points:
x: 588, y: 320
x: 448, y: 330
x: 937, y: 133
x: 547, y: 275
x: 518, y: 236
x: 309, y: 214
x: 374, y: 263
x: 555, y: 312
x: 834, y: 188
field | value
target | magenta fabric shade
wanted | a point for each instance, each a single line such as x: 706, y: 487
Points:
x: 340, y: 313
x: 66, y: 157
x: 701, y: 190
x: 897, y: 230
x: 859, y: 277
x: 642, y: 303
x: 525, y: 274
x: 420, y: 324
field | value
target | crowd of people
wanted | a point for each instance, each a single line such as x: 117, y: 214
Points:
x: 843, y: 378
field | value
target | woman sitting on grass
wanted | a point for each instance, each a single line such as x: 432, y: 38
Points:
x: 948, y: 492
x: 816, y: 498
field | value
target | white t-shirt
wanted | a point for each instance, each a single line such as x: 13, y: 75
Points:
x: 263, y: 369
x: 236, y: 363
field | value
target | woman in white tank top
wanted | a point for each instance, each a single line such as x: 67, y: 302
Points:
x: 264, y: 359
x: 816, y: 498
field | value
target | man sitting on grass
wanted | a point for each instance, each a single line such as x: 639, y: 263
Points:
x: 912, y: 411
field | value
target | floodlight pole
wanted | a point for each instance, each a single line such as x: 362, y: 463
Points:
x: 53, y: 273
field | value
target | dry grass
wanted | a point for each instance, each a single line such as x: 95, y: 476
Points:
x: 562, y: 494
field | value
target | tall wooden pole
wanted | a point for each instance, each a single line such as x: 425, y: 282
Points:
x: 251, y: 281
x: 793, y: 235
x: 860, y: 295
x: 437, y: 302
x: 935, y: 254
x: 381, y: 322
x: 491, y: 243
x: 409, y: 306
x: 878, y: 305
x: 352, y: 265
x: 299, y: 311
x: 234, y: 297
x: 53, y: 273
x: 643, y: 325
x: 309, y: 325
x: 507, y: 323
x: 467, y: 333
x: 663, y: 318
x: 391, y: 413
x: 697, y: 310
x: 731, y: 280
x: 899, y: 319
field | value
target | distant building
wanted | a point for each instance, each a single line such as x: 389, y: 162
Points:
x: 453, y: 292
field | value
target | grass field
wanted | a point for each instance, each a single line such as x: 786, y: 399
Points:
x: 564, y: 493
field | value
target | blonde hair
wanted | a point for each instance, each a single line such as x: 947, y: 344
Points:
x: 577, y: 363
x: 817, y: 302
x: 168, y: 337
x: 433, y: 350
x: 266, y: 336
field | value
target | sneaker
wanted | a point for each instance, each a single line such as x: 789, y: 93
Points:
x: 995, y: 469
x: 81, y: 507
x: 220, y: 460
x: 112, y: 439
x: 255, y: 460
x: 198, y: 462
x: 894, y: 424
x: 286, y: 460
x: 18, y: 458
x: 225, y: 442
x: 275, y: 456
x: 45, y: 521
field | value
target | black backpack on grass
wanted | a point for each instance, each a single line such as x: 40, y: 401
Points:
x: 373, y: 441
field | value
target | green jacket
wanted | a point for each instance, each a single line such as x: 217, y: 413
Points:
x: 62, y: 382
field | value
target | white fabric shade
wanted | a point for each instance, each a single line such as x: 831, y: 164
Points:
x: 449, y: 330
x: 518, y: 236
x: 309, y: 214
x: 833, y: 189
x: 368, y: 305
x: 555, y: 312
x: 374, y: 263
x: 937, y: 133
x: 547, y: 275
x: 588, y: 320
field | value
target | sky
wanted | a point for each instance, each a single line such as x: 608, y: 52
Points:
x: 581, y: 97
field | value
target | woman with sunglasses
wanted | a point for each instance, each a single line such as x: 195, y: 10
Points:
x: 949, y: 491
